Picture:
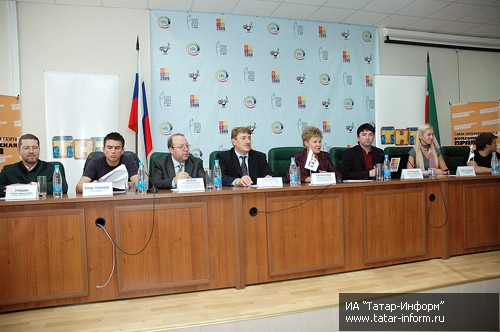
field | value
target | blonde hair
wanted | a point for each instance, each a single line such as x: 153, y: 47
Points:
x: 309, y: 132
x: 419, y: 160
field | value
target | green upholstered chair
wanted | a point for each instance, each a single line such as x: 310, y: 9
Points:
x: 455, y: 156
x: 211, y: 159
x: 61, y: 167
x: 337, y: 155
x: 279, y: 159
x: 397, y: 149
x: 152, y: 158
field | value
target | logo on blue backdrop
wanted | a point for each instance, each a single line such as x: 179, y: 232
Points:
x: 249, y: 75
x: 166, y: 128
x: 250, y: 102
x: 193, y: 49
x: 273, y: 28
x: 347, y: 79
x: 345, y: 34
x: 348, y: 104
x: 298, y: 29
x: 277, y: 127
x: 368, y: 59
x: 165, y: 101
x: 165, y: 48
x: 324, y: 79
x: 275, y: 53
x: 221, y: 75
x: 299, y: 54
x: 367, y: 36
x: 276, y: 101
x: 220, y: 49
x: 194, y: 127
x: 326, y: 104
x: 223, y: 102
x: 248, y: 27
x: 323, y: 54
x: 194, y: 76
x: 301, y: 79
x: 192, y: 22
x: 163, y: 22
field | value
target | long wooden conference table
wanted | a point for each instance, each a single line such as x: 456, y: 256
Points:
x: 52, y: 252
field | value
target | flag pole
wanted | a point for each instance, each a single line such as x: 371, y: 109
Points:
x: 138, y: 115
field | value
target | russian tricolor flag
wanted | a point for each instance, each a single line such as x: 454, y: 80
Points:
x: 139, y: 116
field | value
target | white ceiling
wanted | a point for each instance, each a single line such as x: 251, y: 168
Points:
x: 478, y: 18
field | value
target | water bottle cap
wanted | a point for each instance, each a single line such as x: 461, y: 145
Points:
x: 216, y: 161
x: 56, y: 166
x: 293, y: 158
x: 494, y: 152
x: 140, y: 163
x: 387, y: 156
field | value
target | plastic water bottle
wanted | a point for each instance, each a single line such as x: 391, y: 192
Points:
x: 387, y: 168
x: 494, y: 163
x: 142, y: 187
x: 294, y: 173
x: 217, y: 176
x: 57, y: 183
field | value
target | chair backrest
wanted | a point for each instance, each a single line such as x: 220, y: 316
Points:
x: 211, y: 159
x: 279, y: 159
x: 98, y: 154
x: 397, y: 149
x: 455, y: 156
x: 61, y: 167
x: 152, y: 158
x: 337, y: 155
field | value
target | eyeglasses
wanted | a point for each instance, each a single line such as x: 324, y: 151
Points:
x: 27, y: 148
x: 182, y: 147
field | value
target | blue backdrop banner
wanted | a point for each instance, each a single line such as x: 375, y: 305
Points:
x: 213, y: 72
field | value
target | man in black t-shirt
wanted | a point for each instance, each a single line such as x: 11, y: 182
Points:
x: 113, y: 149
x: 485, y: 143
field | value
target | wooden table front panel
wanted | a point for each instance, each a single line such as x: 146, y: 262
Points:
x: 475, y: 218
x: 43, y: 255
x: 293, y: 235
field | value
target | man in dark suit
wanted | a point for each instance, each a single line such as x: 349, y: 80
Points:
x: 359, y: 162
x: 179, y: 164
x: 241, y: 166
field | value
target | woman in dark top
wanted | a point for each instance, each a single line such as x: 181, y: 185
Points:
x: 312, y: 140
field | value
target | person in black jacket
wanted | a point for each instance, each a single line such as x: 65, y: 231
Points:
x: 30, y: 166
x: 179, y: 164
x: 241, y: 166
x: 359, y: 162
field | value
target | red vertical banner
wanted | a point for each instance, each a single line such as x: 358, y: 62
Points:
x: 10, y: 124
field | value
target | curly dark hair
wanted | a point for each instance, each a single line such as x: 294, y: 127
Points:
x: 484, y: 139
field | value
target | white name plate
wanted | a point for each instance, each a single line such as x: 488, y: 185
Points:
x: 412, y: 174
x: 190, y: 185
x: 97, y: 189
x: 274, y: 182
x: 465, y: 171
x: 318, y: 179
x: 21, y: 192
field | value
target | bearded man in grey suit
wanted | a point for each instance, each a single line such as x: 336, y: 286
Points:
x: 179, y: 164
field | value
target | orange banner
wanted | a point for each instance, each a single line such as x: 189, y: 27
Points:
x: 470, y: 119
x: 10, y: 124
